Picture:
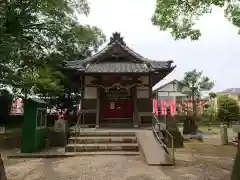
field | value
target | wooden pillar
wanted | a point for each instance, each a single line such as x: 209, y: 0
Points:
x: 98, y: 108
x: 150, y: 86
x: 150, y: 94
x: 82, y: 91
x: 135, y: 111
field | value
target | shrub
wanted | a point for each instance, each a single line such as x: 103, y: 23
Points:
x: 228, y: 109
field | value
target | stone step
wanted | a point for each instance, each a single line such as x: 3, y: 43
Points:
x: 102, y: 139
x: 104, y: 133
x: 102, y: 147
x: 123, y: 153
x: 71, y: 154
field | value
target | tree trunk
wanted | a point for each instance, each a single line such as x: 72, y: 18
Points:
x: 2, y: 170
x: 194, y: 107
x: 210, y: 122
x: 235, y: 171
x: 189, y: 125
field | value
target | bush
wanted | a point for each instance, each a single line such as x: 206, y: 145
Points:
x: 228, y: 109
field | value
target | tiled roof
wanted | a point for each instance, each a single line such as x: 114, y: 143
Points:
x: 78, y: 65
x: 119, y: 67
x: 159, y: 64
x: 231, y: 91
x: 136, y: 63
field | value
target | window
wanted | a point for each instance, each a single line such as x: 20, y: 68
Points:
x: 180, y: 99
x: 41, y: 117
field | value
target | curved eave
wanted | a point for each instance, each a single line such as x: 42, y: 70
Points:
x: 159, y: 74
x: 69, y: 70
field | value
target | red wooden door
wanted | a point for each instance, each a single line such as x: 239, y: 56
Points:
x: 122, y: 108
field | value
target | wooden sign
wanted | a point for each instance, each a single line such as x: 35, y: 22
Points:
x: 112, y: 105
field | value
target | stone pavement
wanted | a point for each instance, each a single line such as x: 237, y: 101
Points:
x: 151, y: 149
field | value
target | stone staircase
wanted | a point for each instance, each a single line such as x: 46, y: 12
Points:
x: 104, y: 142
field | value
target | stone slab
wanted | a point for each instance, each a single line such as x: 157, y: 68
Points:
x: 102, y: 147
x: 106, y: 133
x: 102, y: 139
x: 71, y: 154
x: 57, y: 139
x: 236, y: 128
x: 151, y: 149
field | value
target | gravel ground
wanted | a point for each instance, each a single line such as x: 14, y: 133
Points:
x: 197, y: 161
x: 202, y: 162
x: 201, y: 165
x: 84, y: 168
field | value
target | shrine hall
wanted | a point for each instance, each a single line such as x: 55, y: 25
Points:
x: 116, y: 85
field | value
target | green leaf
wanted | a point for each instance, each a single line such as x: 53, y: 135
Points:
x: 36, y: 37
x: 179, y: 17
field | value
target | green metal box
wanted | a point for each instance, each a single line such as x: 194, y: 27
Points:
x: 34, y: 127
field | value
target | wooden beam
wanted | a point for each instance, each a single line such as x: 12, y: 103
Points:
x: 135, y: 110
x: 98, y: 108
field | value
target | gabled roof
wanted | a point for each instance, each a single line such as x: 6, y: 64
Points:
x: 123, y: 60
x: 164, y: 83
x: 235, y: 91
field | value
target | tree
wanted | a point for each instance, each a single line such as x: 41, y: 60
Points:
x: 180, y: 17
x: 211, y: 110
x: 235, y: 172
x: 6, y: 102
x: 37, y: 36
x: 228, y: 109
x: 192, y: 85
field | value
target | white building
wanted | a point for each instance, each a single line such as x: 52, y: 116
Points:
x: 169, y: 91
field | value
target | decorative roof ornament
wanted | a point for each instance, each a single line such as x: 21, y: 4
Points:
x: 117, y: 37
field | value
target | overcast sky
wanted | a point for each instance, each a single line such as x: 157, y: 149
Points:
x: 216, y: 53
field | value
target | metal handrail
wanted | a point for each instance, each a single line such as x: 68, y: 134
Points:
x: 169, y: 134
x: 77, y: 127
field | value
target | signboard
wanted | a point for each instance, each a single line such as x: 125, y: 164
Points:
x: 60, y: 126
x: 112, y: 105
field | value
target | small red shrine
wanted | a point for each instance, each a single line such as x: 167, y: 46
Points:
x: 116, y: 85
